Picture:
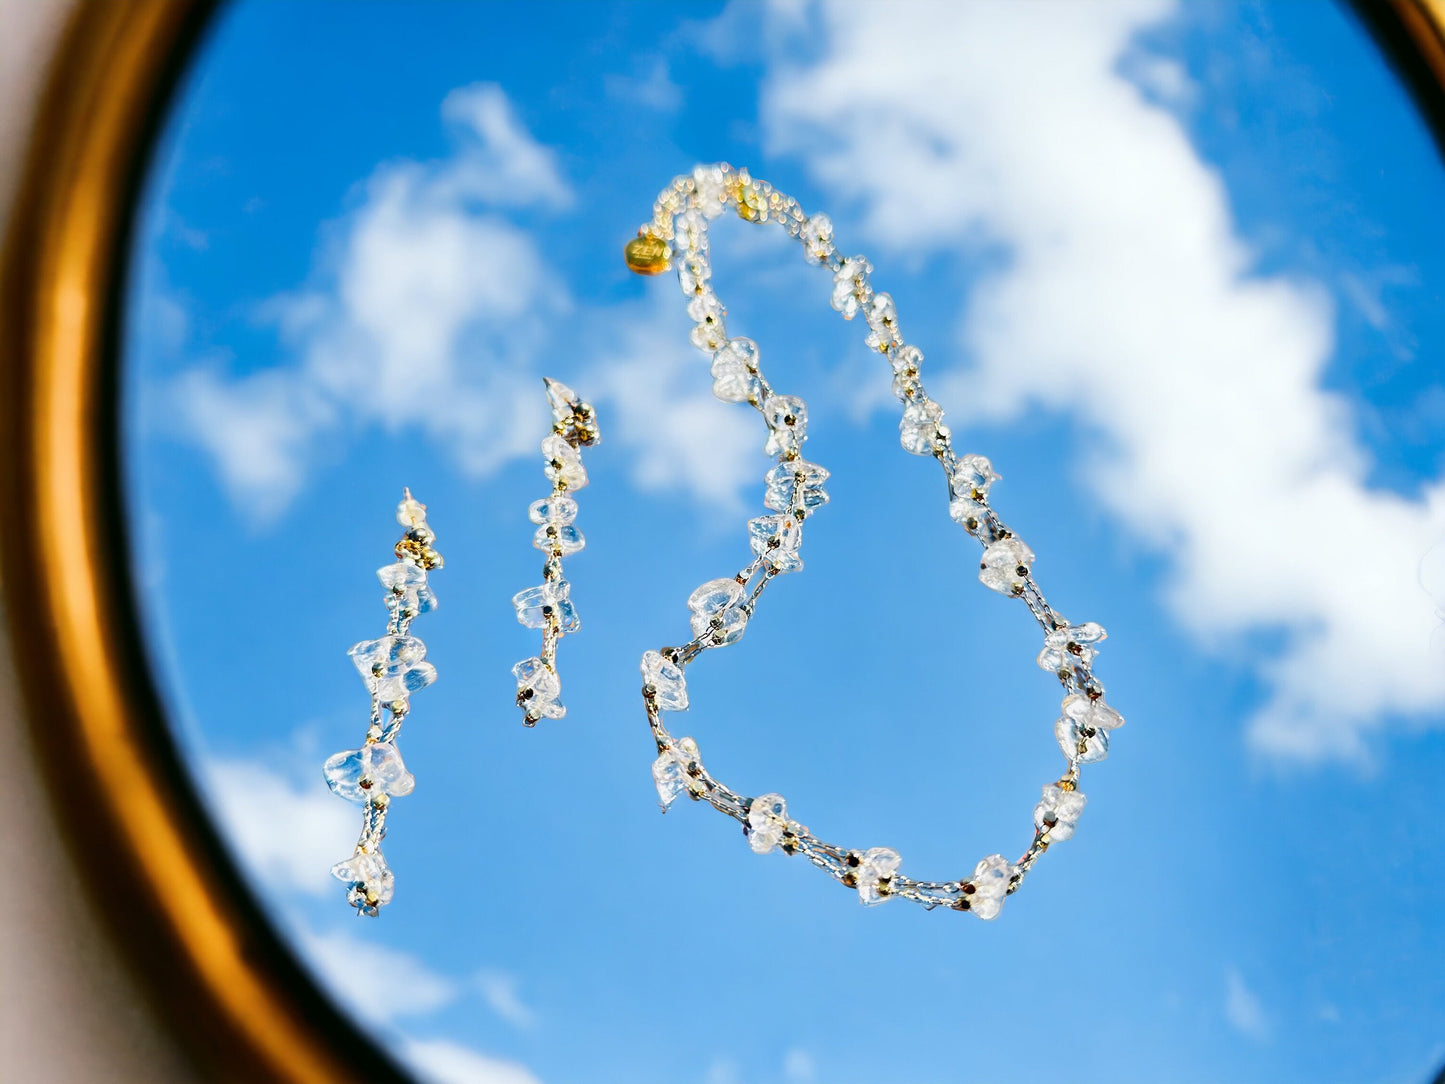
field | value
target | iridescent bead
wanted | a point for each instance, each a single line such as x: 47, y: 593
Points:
x: 1059, y: 812
x: 358, y: 775
x: 787, y: 418
x: 767, y: 822
x: 817, y: 238
x: 990, y: 882
x: 370, y: 882
x: 776, y: 539
x: 972, y: 477
x: 670, y: 772
x: 554, y: 509
x: 535, y: 604
x: 563, y: 540
x: 1005, y: 566
x: 918, y: 431
x: 850, y: 286
x: 735, y: 372
x: 1071, y: 645
x: 563, y: 463
x: 879, y: 864
x: 665, y: 680
x: 539, y: 690
x: 796, y: 484
x: 717, y: 612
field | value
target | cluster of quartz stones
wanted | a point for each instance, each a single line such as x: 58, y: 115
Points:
x: 548, y: 606
x: 393, y: 668
x: 677, y: 236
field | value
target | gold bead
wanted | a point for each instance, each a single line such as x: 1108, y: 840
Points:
x: 647, y: 255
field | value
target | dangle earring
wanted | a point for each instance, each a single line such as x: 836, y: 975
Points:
x: 393, y: 668
x: 549, y: 606
x: 721, y: 609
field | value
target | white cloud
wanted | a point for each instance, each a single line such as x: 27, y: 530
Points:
x: 424, y: 310
x: 354, y: 970
x: 499, y: 990
x: 290, y: 834
x: 679, y: 435
x: 1242, y: 1007
x: 443, y: 1062
x: 1128, y: 300
x: 799, y: 1067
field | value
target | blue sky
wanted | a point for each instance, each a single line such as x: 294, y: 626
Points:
x: 1176, y: 272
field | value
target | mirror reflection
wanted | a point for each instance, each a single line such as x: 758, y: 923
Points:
x: 1176, y: 272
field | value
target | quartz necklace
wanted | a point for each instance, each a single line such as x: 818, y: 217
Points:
x: 677, y: 236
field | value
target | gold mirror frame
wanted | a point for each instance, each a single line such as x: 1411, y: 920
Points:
x: 230, y: 990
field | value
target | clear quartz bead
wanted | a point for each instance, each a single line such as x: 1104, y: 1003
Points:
x: 411, y: 512
x: 1091, y: 714
x: 882, y: 316
x: 1059, y: 812
x: 787, y: 418
x: 711, y: 185
x: 563, y: 463
x: 1081, y: 745
x: 990, y: 883
x: 671, y: 775
x: 535, y: 604
x: 539, y: 689
x: 850, y: 286
x: 969, y: 514
x: 735, y: 376
x: 796, y: 484
x: 918, y: 431
x: 396, y: 664
x: 906, y: 360
x: 879, y: 864
x: 666, y: 681
x: 401, y: 574
x: 1005, y: 566
x: 767, y: 821
x: 817, y: 238
x: 718, y: 613
x: 972, y: 477
x: 407, y: 588
x: 554, y: 509
x: 777, y: 539
x: 565, y: 540
x: 704, y: 307
x: 370, y: 882
x: 358, y: 775
x: 693, y: 273
x: 709, y: 336
x: 1071, y: 645
x: 562, y: 399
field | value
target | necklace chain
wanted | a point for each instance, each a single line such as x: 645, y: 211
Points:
x: 677, y: 236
